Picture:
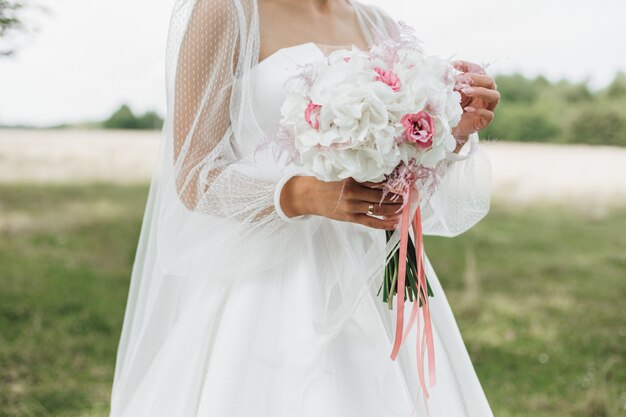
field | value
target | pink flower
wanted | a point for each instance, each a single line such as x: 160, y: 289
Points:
x: 312, y: 115
x: 419, y: 128
x: 388, y: 77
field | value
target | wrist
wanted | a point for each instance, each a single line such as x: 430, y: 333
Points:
x: 295, y: 196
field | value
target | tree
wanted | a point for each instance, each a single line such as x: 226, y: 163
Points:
x: 150, y: 120
x: 9, y: 22
x: 599, y: 126
x: 522, y: 122
x: 516, y: 88
x: 124, y: 118
x: 617, y: 89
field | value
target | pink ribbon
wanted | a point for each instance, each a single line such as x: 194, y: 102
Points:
x: 425, y: 343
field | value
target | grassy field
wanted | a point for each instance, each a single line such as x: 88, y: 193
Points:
x: 538, y: 293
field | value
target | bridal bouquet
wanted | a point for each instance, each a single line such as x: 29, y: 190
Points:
x: 381, y: 115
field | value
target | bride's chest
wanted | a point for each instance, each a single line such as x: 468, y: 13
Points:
x: 267, y: 90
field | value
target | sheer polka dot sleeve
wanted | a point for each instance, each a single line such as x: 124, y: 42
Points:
x: 207, y: 101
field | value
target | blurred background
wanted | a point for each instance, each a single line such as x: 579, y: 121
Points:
x: 538, y: 287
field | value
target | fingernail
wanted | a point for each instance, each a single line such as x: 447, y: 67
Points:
x: 470, y: 109
x: 468, y: 90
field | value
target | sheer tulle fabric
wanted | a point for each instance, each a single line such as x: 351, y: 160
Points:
x: 215, y: 247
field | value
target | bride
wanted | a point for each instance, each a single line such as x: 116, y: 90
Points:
x: 254, y: 288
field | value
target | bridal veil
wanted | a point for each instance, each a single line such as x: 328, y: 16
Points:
x: 212, y: 219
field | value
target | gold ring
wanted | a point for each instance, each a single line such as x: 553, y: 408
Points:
x: 370, y: 209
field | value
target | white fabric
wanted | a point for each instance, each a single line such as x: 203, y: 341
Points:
x: 235, y: 310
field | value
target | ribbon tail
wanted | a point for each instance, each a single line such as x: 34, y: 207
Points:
x: 423, y: 294
x: 418, y: 357
x: 414, y: 312
x: 404, y: 238
x: 424, y: 343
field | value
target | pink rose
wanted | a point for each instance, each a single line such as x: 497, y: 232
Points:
x: 312, y: 115
x: 419, y: 128
x: 388, y: 77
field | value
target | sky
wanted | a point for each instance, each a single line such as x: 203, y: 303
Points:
x: 90, y: 56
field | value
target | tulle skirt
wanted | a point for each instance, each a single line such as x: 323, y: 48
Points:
x: 241, y: 327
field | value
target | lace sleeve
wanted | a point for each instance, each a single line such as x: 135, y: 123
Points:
x: 211, y: 54
x: 464, y: 193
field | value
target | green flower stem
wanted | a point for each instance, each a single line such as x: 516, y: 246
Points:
x: 389, y: 284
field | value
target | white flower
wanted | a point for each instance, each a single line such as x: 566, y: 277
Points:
x: 361, y: 103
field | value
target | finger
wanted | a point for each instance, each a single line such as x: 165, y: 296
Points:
x: 485, y: 116
x: 482, y: 80
x: 491, y: 97
x: 375, y: 185
x: 390, y: 198
x: 466, y: 66
x: 389, y: 210
x: 373, y: 222
x: 356, y: 192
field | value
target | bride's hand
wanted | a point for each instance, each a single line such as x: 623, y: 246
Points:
x: 345, y: 200
x: 479, y: 98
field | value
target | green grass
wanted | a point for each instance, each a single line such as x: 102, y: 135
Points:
x: 65, y: 257
x: 538, y: 294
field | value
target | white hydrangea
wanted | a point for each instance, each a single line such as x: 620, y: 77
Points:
x: 349, y: 113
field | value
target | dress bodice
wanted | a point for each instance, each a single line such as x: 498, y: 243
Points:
x: 268, y: 90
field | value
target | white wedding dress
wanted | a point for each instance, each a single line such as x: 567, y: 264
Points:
x: 260, y: 327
